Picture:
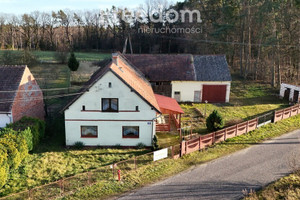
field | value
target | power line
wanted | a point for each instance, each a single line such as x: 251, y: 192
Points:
x: 39, y: 98
x: 50, y: 89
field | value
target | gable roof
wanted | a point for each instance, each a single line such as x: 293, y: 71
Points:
x: 182, y: 67
x: 129, y: 75
x: 164, y: 67
x: 10, y: 78
x: 212, y: 68
x: 168, y: 103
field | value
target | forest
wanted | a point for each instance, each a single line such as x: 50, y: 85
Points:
x: 260, y: 38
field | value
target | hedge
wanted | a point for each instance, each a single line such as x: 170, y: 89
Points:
x: 16, y: 141
x: 36, y: 132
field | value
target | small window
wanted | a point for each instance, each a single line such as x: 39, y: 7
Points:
x: 110, y: 105
x: 136, y: 108
x: 177, y: 93
x: 83, y: 107
x: 89, y: 131
x: 109, y: 84
x: 131, y: 132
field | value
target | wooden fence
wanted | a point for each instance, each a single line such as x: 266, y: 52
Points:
x: 207, y: 140
x: 286, y: 113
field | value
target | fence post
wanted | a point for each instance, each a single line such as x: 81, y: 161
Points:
x: 213, y: 137
x: 225, y: 134
x: 135, y: 162
x: 172, y: 151
x: 247, y: 128
x: 236, y: 129
x: 61, y: 185
x: 199, y: 143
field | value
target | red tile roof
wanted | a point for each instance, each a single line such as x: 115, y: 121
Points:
x: 168, y: 103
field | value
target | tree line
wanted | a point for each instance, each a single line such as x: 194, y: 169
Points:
x: 261, y: 39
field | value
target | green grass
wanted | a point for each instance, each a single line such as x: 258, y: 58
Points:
x: 248, y: 99
x: 81, y: 56
x: 166, y: 139
x: 159, y: 170
x: 285, y: 188
x: 44, y: 167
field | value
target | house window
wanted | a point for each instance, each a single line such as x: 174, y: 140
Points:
x: 89, y: 131
x: 131, y: 132
x: 83, y: 107
x: 177, y: 93
x: 109, y: 84
x: 110, y: 105
x: 136, y: 108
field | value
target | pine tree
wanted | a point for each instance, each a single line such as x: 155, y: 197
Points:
x: 73, y: 64
x: 214, y: 121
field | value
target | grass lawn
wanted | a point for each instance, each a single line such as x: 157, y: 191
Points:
x: 166, y: 139
x: 43, y: 167
x: 247, y: 100
x: 81, y: 56
x: 285, y: 188
x: 159, y: 170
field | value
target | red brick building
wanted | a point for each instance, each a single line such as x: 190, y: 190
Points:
x: 20, y: 95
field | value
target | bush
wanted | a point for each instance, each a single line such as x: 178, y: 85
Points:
x: 37, y: 129
x: 14, y: 157
x: 79, y: 145
x: 154, y: 143
x: 214, y: 121
x: 73, y: 64
x: 140, y: 145
x: 61, y: 56
x: 3, y: 166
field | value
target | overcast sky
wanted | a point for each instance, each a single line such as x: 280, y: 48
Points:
x: 27, y: 6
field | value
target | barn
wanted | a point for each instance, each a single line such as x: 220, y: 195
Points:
x: 186, y: 77
x: 20, y: 95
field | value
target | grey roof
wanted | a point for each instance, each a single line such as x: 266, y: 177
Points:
x: 211, y: 68
x: 10, y: 78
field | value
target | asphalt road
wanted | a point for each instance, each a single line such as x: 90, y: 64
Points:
x: 227, y: 177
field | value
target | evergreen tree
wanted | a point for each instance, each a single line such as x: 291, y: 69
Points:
x: 73, y: 64
x: 214, y: 121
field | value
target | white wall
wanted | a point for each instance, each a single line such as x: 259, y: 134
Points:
x: 5, y: 119
x: 110, y: 124
x: 187, y: 89
x: 283, y: 87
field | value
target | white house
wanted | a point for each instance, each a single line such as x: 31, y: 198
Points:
x: 186, y: 77
x: 290, y: 92
x: 116, y: 107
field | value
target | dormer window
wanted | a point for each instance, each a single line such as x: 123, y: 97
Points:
x: 110, y: 105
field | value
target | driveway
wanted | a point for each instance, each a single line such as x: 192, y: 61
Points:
x: 229, y: 176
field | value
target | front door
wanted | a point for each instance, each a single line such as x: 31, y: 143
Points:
x: 296, y: 96
x: 197, y: 96
x: 287, y: 94
x: 177, y: 96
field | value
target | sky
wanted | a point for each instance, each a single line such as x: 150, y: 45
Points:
x: 26, y: 6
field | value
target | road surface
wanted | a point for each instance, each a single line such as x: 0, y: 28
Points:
x: 227, y: 177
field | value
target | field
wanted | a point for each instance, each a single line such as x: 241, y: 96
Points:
x: 49, y: 56
x: 247, y: 100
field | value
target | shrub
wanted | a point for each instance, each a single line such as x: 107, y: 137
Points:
x: 3, y: 166
x: 214, y: 121
x: 140, y: 145
x: 61, y: 56
x: 14, y: 157
x: 73, y: 64
x: 79, y: 145
x: 154, y: 143
x: 37, y: 128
